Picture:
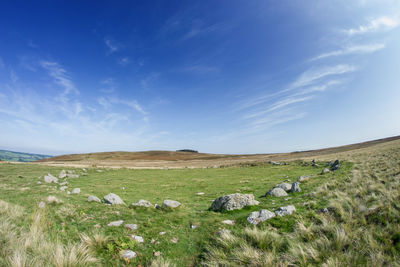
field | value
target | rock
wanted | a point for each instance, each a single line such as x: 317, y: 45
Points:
x: 324, y: 210
x: 142, y: 203
x: 277, y: 192
x: 303, y: 178
x: 156, y: 253
x: 194, y: 225
x: 39, y: 182
x: 170, y: 204
x: 162, y: 233
x: 326, y: 170
x: 63, y: 183
x: 137, y: 238
x: 128, y: 254
x: 93, y: 199
x: 115, y: 223
x: 174, y: 240
x: 70, y: 175
x: 156, y: 206
x: 131, y: 226
x: 70, y: 172
x: 113, y: 199
x: 295, y: 187
x: 53, y: 199
x: 335, y: 166
x: 230, y: 222
x: 76, y: 191
x: 50, y: 179
x: 259, y: 216
x: 41, y: 205
x: 233, y: 202
x: 274, y: 163
x: 284, y: 186
x: 63, y: 188
x: 200, y: 193
x: 287, y: 210
x: 62, y: 174
x: 99, y: 171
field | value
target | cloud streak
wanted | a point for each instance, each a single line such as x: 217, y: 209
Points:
x: 355, y: 49
x: 374, y: 25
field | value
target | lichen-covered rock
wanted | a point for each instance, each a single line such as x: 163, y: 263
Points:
x: 284, y: 186
x: 93, y: 199
x: 259, y: 216
x: 63, y: 188
x: 287, y: 210
x: 62, y: 174
x: 113, y: 199
x: 277, y: 192
x: 115, y: 223
x: 131, y: 226
x: 128, y: 254
x: 170, y: 204
x: 233, y: 202
x: 142, y: 203
x: 137, y: 238
x: 295, y: 187
x: 50, y: 179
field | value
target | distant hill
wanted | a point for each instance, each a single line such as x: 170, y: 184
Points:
x: 6, y: 155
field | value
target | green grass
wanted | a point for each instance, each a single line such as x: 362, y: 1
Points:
x: 66, y: 221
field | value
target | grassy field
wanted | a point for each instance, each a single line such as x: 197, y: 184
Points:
x: 64, y: 223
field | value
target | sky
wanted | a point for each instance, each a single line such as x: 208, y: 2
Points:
x: 214, y: 76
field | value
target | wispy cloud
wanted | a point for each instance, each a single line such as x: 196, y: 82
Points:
x: 109, y: 101
x: 124, y: 61
x: 376, y: 24
x: 355, y: 49
x: 111, y: 45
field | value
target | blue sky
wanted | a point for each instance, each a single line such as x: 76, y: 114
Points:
x: 216, y: 76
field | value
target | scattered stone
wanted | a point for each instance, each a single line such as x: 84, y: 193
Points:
x: 287, y: 210
x: 223, y: 232
x: 142, y: 203
x: 295, y: 187
x: 274, y: 163
x: 76, y: 191
x: 50, y: 179
x: 277, y: 192
x: 233, y: 202
x: 63, y: 183
x: 137, y: 238
x: 99, y: 170
x: 163, y: 233
x: 53, y: 199
x: 62, y: 174
x: 170, y: 204
x: 70, y: 175
x: 84, y: 170
x: 259, y: 216
x: 152, y: 241
x: 156, y: 206
x: 63, y: 188
x: 200, y: 193
x: 70, y: 172
x: 324, y: 210
x: 131, y: 226
x: 230, y: 222
x: 156, y: 253
x: 115, y: 223
x: 326, y: 170
x: 39, y: 182
x: 284, y: 186
x: 128, y: 254
x: 286, y: 199
x: 93, y: 199
x: 174, y: 240
x: 303, y: 178
x: 113, y: 199
x: 68, y: 192
x: 215, y: 167
x: 41, y: 205
x: 194, y: 225
x: 313, y: 163
x: 335, y: 166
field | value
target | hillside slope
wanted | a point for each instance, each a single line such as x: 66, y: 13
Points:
x: 6, y: 155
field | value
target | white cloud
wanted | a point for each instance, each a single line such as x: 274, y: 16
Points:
x: 112, y: 45
x: 376, y: 24
x: 124, y: 61
x: 355, y: 49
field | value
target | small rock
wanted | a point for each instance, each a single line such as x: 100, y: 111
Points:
x: 70, y: 172
x: 113, y: 199
x: 170, y: 204
x: 223, y: 232
x: 156, y: 253
x: 41, y: 205
x: 96, y: 226
x: 259, y: 216
x: 115, y: 223
x: 99, y: 170
x: 287, y: 210
x: 137, y: 238
x: 324, y: 210
x: 326, y: 170
x: 76, y: 191
x: 39, y: 182
x: 128, y: 254
x: 277, y: 192
x: 230, y: 222
x: 93, y: 199
x: 174, y: 240
x: 303, y: 178
x: 200, y: 193
x: 194, y: 225
x: 142, y: 203
x: 152, y: 241
x: 163, y: 233
x: 335, y: 166
x: 63, y: 188
x: 50, y: 179
x: 284, y: 186
x: 131, y: 226
x: 274, y: 163
x: 295, y: 187
x: 72, y: 175
x: 53, y: 199
x: 62, y: 174
x: 64, y: 183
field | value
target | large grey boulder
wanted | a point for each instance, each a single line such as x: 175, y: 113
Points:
x: 113, y: 199
x: 142, y: 203
x: 233, y: 202
x: 62, y: 174
x: 259, y: 216
x: 93, y: 199
x: 295, y: 187
x: 170, y: 204
x: 50, y: 179
x: 287, y: 210
x: 277, y: 192
x: 284, y: 186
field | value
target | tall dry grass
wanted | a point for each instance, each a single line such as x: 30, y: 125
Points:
x: 362, y: 227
